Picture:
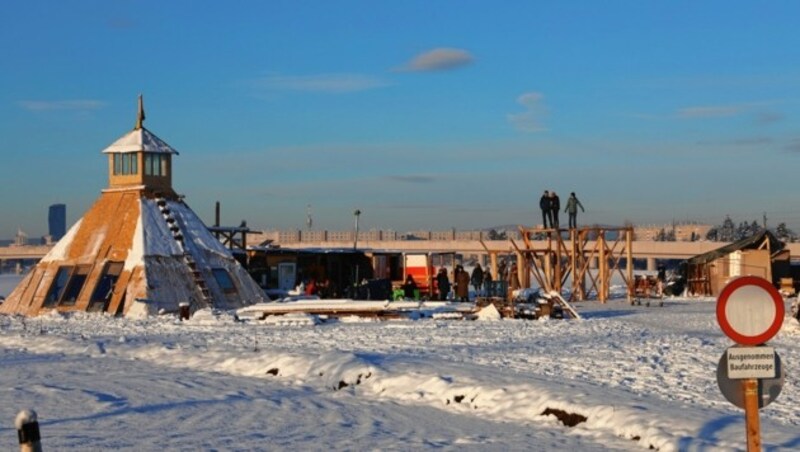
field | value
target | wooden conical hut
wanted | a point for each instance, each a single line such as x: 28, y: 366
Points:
x: 139, y: 250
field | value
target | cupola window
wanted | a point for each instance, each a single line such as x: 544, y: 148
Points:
x: 125, y: 164
x: 155, y: 164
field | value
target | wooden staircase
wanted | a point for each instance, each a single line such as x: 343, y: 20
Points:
x: 178, y: 236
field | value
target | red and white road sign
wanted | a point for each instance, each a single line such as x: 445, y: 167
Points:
x: 750, y: 310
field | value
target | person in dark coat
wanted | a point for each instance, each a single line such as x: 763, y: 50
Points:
x: 544, y: 204
x: 555, y: 206
x: 572, y: 209
x: 487, y: 282
x: 443, y: 283
x: 409, y: 288
x: 462, y: 284
x: 477, y: 278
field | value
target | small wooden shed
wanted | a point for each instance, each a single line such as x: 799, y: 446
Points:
x: 761, y: 255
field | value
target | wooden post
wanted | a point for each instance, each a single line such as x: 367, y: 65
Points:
x: 629, y: 261
x: 523, y: 274
x: 583, y: 261
x: 548, y: 270
x: 752, y: 423
x: 557, y: 261
x: 573, y: 263
x: 522, y: 270
x: 429, y: 272
x: 602, y: 262
x: 28, y: 431
x: 184, y: 309
x: 525, y: 270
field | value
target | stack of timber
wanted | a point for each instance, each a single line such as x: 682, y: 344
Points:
x: 346, y: 308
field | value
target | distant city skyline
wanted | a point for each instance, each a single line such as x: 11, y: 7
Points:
x: 423, y: 115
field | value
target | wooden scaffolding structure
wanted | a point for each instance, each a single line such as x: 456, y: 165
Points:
x: 587, y: 256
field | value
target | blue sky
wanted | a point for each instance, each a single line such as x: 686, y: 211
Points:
x: 423, y: 114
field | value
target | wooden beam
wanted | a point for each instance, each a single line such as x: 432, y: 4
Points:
x: 602, y: 264
x: 522, y: 265
x: 629, y: 257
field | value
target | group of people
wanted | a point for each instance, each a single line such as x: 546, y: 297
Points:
x: 480, y: 279
x: 460, y: 286
x: 461, y: 281
x: 551, y: 205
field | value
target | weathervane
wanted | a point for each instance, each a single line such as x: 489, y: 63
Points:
x: 140, y: 114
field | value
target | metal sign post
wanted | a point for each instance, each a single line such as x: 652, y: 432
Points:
x: 750, y: 311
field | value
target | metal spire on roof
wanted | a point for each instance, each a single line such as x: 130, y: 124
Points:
x: 140, y: 115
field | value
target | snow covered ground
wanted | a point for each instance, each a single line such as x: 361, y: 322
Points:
x: 641, y: 376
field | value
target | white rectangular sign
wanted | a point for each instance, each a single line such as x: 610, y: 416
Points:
x: 751, y: 362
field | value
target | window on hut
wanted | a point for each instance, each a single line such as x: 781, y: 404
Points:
x: 125, y: 164
x: 104, y: 290
x: 57, y: 287
x: 75, y: 285
x: 224, y: 280
x: 155, y: 164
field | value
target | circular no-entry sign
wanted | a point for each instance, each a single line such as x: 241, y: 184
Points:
x: 750, y: 310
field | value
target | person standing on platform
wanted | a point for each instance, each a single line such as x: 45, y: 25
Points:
x: 572, y: 209
x: 544, y: 204
x: 555, y: 206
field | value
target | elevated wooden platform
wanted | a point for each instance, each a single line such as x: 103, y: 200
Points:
x: 587, y: 257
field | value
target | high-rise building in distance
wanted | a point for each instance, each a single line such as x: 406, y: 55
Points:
x: 57, y: 221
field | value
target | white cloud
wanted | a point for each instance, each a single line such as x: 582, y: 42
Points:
x: 530, y: 120
x: 530, y: 100
x: 439, y: 59
x: 49, y: 105
x: 325, y: 83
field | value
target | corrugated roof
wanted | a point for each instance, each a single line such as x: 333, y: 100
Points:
x: 752, y: 242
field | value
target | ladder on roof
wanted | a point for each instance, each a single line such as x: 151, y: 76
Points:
x: 178, y: 236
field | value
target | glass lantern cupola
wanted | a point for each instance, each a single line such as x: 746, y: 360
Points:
x: 139, y: 159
